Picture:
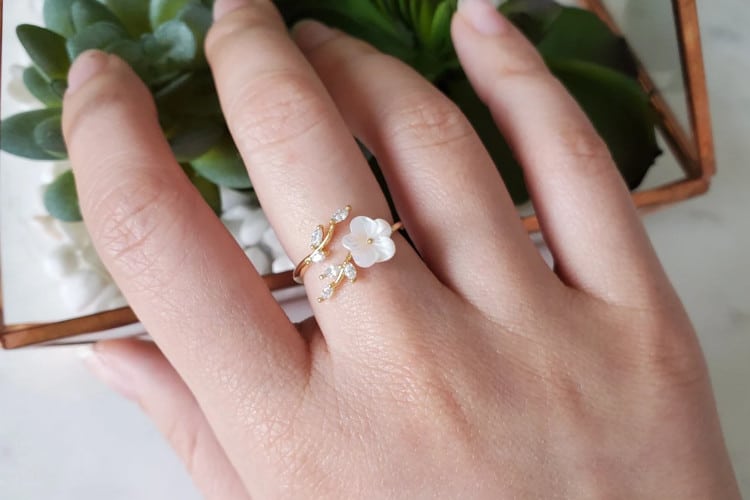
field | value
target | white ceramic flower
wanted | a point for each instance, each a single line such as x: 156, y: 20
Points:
x: 369, y: 241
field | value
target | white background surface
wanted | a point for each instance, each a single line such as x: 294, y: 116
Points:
x: 65, y: 436
x: 21, y: 201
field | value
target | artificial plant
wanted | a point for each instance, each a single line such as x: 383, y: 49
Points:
x: 163, y: 41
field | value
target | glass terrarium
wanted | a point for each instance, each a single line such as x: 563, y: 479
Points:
x: 654, y: 117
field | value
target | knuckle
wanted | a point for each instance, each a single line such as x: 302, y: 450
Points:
x: 107, y: 94
x: 277, y: 108
x: 654, y: 348
x: 580, y: 144
x: 127, y: 215
x: 668, y: 354
x: 230, y: 30
x: 521, y: 70
x: 422, y: 121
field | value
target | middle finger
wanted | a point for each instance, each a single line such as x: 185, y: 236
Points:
x: 301, y: 158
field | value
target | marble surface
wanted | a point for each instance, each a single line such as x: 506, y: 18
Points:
x: 64, y: 436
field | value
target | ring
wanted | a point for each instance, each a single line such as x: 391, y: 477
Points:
x: 368, y: 242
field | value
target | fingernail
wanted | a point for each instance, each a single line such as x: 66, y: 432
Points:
x: 106, y: 370
x: 85, y: 67
x: 309, y: 34
x: 483, y: 16
x: 224, y: 7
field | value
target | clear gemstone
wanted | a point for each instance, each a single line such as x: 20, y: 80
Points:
x: 317, y: 237
x: 331, y: 271
x: 317, y: 256
x: 350, y: 271
x: 327, y: 293
x: 340, y: 215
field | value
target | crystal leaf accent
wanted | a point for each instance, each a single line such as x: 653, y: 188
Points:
x: 331, y: 272
x: 317, y: 256
x: 317, y: 237
x: 327, y: 293
x: 341, y: 214
x: 350, y: 271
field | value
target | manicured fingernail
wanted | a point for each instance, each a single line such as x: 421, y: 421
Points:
x: 309, y: 34
x: 84, y: 67
x: 224, y: 7
x: 483, y: 16
x: 106, y: 370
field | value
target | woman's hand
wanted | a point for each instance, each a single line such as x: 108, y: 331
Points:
x: 462, y: 368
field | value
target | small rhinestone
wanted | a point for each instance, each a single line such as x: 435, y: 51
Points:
x: 327, y: 293
x: 350, y: 271
x: 317, y: 237
x: 341, y: 214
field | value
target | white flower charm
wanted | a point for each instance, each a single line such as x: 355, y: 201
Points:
x: 369, y: 241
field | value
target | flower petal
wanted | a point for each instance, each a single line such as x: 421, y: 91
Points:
x: 362, y: 225
x: 365, y: 256
x: 385, y: 248
x: 352, y: 241
x: 382, y: 228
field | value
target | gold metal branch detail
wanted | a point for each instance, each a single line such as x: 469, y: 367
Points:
x: 319, y: 240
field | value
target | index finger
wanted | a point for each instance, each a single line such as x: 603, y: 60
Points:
x: 188, y: 281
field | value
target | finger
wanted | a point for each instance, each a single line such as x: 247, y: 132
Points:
x: 302, y: 160
x: 187, y: 280
x: 140, y: 372
x: 441, y: 176
x: 584, y: 208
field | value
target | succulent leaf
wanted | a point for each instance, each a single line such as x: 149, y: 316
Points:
x: 132, y: 53
x: 222, y: 165
x: 57, y: 17
x: 439, y: 37
x: 194, y: 138
x: 87, y: 12
x: 177, y: 44
x: 49, y: 137
x: 190, y: 95
x: 17, y: 134
x: 99, y: 35
x: 61, y: 198
x: 532, y: 17
x: 198, y: 18
x: 46, y: 49
x: 41, y: 88
x: 580, y: 35
x: 59, y: 87
x: 132, y: 13
x: 208, y: 190
x: 161, y: 11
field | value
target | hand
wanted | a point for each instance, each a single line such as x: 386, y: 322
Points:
x: 462, y: 368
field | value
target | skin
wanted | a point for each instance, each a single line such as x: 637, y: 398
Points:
x: 462, y: 368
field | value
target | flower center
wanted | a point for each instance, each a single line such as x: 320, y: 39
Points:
x: 369, y: 241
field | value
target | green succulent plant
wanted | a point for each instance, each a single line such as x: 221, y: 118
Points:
x: 163, y: 41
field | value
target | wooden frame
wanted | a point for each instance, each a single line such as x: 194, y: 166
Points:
x: 693, y: 148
